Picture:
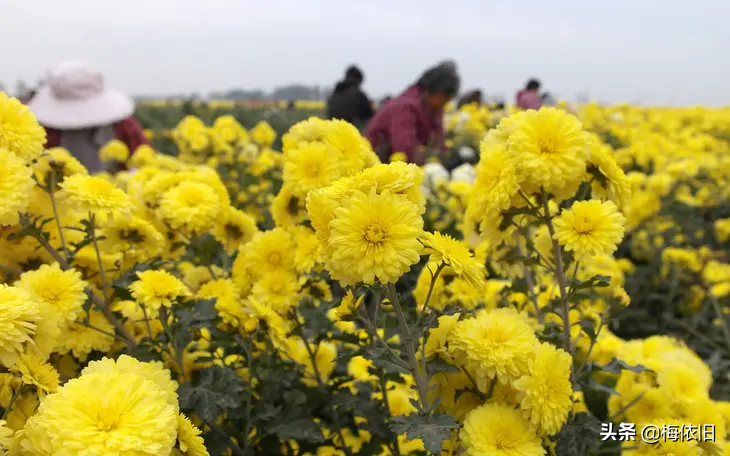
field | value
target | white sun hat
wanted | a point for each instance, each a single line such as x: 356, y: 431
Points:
x: 75, y: 97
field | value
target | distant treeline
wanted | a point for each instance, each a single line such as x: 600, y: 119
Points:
x: 290, y: 92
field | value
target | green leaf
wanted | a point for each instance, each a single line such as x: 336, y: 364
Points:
x: 431, y: 429
x: 438, y: 365
x: 301, y: 429
x: 579, y: 436
x: 616, y: 366
x: 597, y: 281
x: 218, y: 388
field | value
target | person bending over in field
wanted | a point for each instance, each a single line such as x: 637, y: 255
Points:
x: 348, y: 101
x: 81, y: 114
x: 528, y: 97
x: 413, y: 120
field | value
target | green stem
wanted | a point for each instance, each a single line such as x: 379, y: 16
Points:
x: 417, y: 371
x: 560, y: 275
x: 104, y: 284
x: 51, y: 194
x: 13, y: 398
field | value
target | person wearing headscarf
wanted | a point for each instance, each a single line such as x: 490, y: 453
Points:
x: 81, y: 114
x: 413, y: 120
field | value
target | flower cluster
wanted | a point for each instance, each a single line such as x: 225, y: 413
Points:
x: 231, y: 299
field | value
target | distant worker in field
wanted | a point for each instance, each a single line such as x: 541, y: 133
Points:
x: 348, y: 101
x: 528, y: 98
x: 472, y: 97
x: 413, y: 120
x: 81, y: 114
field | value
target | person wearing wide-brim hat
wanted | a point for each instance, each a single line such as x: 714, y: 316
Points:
x: 82, y: 114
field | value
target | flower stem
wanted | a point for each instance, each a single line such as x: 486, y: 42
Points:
x: 51, y: 195
x: 559, y: 275
x: 417, y: 371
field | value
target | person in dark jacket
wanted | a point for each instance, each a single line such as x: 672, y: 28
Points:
x: 348, y: 101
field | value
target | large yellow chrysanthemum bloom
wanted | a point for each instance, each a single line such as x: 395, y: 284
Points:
x: 374, y: 236
x: 20, y: 132
x: 549, y: 149
x: 153, y: 371
x: 310, y: 130
x: 94, y: 194
x: 155, y: 289
x: 495, y: 343
x: 19, y: 316
x: 455, y: 254
x: 63, y: 291
x: 311, y: 166
x: 16, y: 183
x: 546, y: 393
x: 499, y: 430
x: 497, y: 182
x: 398, y: 178
x: 190, y: 206
x: 590, y: 228
x: 104, y: 413
x: 80, y: 340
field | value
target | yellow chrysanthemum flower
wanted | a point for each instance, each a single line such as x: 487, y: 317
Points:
x: 374, y: 236
x: 60, y: 158
x: 135, y: 237
x: 16, y: 183
x: 549, y: 148
x: 495, y: 343
x: 455, y: 254
x: 80, y: 340
x: 190, y: 206
x: 546, y: 392
x: 311, y: 166
x: 105, y: 413
x: 278, y: 289
x: 324, y: 357
x: 227, y: 300
x: 6, y: 436
x: 20, y: 132
x: 269, y: 251
x: 144, y: 155
x: 609, y: 180
x: 19, y: 317
x: 114, y: 150
x: 35, y: 371
x: 153, y: 371
x: 497, y: 182
x: 590, y: 228
x: 155, y: 289
x: 63, y: 291
x: 499, y: 430
x: 234, y: 228
x: 94, y: 194
x: 189, y: 439
x: 263, y: 134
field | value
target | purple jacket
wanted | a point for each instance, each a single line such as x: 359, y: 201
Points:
x: 528, y: 100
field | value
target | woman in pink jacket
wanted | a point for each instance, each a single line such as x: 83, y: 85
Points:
x: 528, y: 97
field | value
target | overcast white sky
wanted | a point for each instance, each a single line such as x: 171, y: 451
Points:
x: 658, y: 51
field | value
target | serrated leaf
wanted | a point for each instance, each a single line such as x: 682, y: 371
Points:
x: 616, y: 366
x: 579, y: 436
x: 218, y: 388
x: 301, y: 429
x: 431, y: 429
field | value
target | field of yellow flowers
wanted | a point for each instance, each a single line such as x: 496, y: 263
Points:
x: 234, y: 297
